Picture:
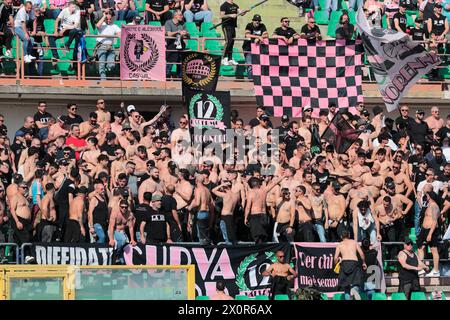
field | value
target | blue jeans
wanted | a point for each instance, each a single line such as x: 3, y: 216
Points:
x: 351, y: 4
x: 417, y: 211
x: 347, y: 295
x: 223, y: 229
x: 203, y: 227
x: 331, y: 5
x: 315, y: 4
x: 320, y: 231
x: 106, y: 61
x: 100, y: 233
x: 370, y: 232
x: 27, y: 44
x: 43, y: 132
x: 138, y: 236
x: 205, y: 16
x: 121, y: 239
x: 248, y: 62
x: 126, y: 15
x: 54, y: 13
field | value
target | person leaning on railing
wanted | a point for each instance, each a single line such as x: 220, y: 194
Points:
x: 20, y: 27
x: 105, y: 50
x: 175, y: 28
x: 256, y: 31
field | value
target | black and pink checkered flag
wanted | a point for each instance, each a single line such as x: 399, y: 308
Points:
x: 307, y: 73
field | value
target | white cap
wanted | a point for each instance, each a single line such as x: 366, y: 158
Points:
x: 131, y: 108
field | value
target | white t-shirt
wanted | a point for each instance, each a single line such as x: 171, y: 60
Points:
x: 437, y: 186
x: 180, y: 134
x: 21, y: 16
x: 107, y: 30
x: 69, y: 19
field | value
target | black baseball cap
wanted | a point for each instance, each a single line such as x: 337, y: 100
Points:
x: 256, y: 17
x: 285, y: 118
x: 420, y: 111
x: 408, y: 241
x: 265, y: 117
x: 438, y: 5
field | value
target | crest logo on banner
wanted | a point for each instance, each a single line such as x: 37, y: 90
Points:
x: 209, y: 115
x: 143, y: 53
x: 200, y: 71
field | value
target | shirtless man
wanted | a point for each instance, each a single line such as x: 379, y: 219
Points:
x: 75, y: 231
x: 359, y: 167
x: 220, y: 292
x: 290, y: 183
x: 46, y: 228
x: 303, y: 208
x: 102, y: 115
x: 350, y: 275
x: 90, y: 126
x: 92, y: 153
x: 118, y: 165
x: 58, y: 129
x: 21, y: 214
x: 387, y: 214
x: 230, y: 201
x: 305, y: 131
x: 429, y: 234
x: 12, y: 189
x: 373, y: 180
x: 285, y: 217
x: 336, y: 212
x: 382, y: 160
x: 281, y: 273
x: 343, y: 173
x: 29, y: 167
x: 152, y: 184
x: 320, y: 211
x: 434, y: 121
x: 141, y: 159
x: 183, y: 196
x: 102, y: 166
x: 255, y: 208
x: 118, y: 221
x: 203, y: 202
x: 272, y: 196
x: 163, y: 166
x: 403, y: 184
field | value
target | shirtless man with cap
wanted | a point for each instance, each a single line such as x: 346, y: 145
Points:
x: 350, y: 275
x: 387, y: 214
x: 77, y: 213
x: 230, y: 201
x: 285, y: 217
x: 281, y: 273
x: 336, y: 212
x: 255, y: 208
x: 202, y: 202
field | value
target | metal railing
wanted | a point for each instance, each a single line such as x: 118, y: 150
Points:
x: 89, y: 71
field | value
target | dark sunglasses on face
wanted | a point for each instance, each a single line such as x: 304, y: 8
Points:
x: 123, y: 207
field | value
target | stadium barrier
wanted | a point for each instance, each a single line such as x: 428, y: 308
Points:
x: 67, y: 282
x: 9, y: 253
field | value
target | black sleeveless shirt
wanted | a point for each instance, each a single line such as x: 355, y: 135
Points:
x: 100, y: 213
x: 408, y: 275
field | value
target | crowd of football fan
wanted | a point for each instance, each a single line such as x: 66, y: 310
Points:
x: 119, y: 178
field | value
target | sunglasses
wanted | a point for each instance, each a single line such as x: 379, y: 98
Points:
x: 73, y: 109
x: 181, y: 122
x: 286, y: 21
x: 23, y: 187
x: 280, y: 256
x: 101, y: 102
x: 404, y: 110
x: 123, y: 207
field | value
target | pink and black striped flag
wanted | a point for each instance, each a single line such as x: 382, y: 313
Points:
x: 307, y: 73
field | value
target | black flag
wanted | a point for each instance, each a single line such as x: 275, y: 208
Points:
x: 200, y: 71
x: 340, y: 133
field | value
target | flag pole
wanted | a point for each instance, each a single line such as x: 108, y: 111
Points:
x: 240, y: 14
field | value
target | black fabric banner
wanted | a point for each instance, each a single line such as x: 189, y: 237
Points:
x: 209, y: 115
x: 75, y: 254
x: 340, y: 134
x: 239, y: 267
x: 200, y: 71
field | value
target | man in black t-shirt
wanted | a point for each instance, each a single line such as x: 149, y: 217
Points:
x: 6, y: 25
x: 400, y: 19
x: 155, y: 225
x: 141, y: 212
x: 197, y: 10
x: 229, y: 12
x: 311, y: 30
x: 284, y: 128
x: 157, y: 10
x: 418, y: 129
x: 256, y: 32
x: 41, y: 119
x: 255, y: 121
x: 285, y: 33
x: 169, y: 208
x: 417, y: 33
x: 72, y: 116
x: 292, y: 139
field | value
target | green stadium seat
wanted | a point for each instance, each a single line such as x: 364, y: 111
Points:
x: 202, y: 298
x: 398, y: 296
x: 324, y: 296
x: 409, y: 21
x: 418, y: 296
x: 154, y: 23
x: 339, y: 296
x: 241, y: 297
x: 352, y: 17
x: 227, y: 71
x: 206, y: 32
x: 363, y: 296
x: 192, y: 45
x: 379, y: 296
x: 191, y: 27
x: 322, y: 4
x: 412, y: 13
x: 321, y: 17
x: 281, y: 297
x: 49, y: 25
x: 119, y: 23
x: 344, y: 5
x: 141, y: 6
x: 261, y: 297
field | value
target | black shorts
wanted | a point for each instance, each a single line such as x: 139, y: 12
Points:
x: 422, y: 238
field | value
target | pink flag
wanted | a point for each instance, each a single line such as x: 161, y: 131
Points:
x: 143, y: 53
